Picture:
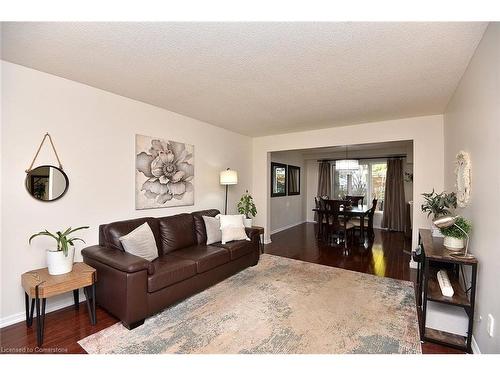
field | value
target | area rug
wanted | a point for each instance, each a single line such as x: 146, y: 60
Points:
x: 279, y: 306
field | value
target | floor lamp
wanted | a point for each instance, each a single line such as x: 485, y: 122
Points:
x: 228, y: 177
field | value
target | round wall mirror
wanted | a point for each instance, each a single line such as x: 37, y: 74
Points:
x: 47, y: 183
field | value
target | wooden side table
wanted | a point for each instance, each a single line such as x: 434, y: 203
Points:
x: 38, y: 285
x: 261, y: 233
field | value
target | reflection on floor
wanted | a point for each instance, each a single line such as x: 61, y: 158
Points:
x: 379, y: 265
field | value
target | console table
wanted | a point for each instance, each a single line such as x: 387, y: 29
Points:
x: 38, y: 285
x: 435, y: 256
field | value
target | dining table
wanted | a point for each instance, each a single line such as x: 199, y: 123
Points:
x: 353, y: 211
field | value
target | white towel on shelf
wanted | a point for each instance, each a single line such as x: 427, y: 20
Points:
x: 444, y: 284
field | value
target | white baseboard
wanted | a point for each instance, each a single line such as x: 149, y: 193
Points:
x: 287, y: 227
x: 21, y: 316
x: 474, y: 346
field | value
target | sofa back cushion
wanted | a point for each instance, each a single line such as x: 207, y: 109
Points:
x: 176, y: 232
x: 112, y: 232
x: 199, y: 225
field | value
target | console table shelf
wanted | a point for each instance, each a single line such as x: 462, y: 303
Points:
x: 434, y: 256
x: 439, y: 337
x: 459, y: 298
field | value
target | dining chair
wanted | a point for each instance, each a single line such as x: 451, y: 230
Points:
x: 337, y: 224
x: 316, y: 202
x: 319, y: 216
x: 368, y: 224
x: 356, y: 200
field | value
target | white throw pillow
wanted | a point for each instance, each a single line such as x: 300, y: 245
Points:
x: 232, y: 228
x: 212, y: 226
x: 141, y: 242
x: 231, y: 221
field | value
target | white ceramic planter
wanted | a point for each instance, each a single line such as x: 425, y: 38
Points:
x: 247, y: 222
x: 453, y: 243
x: 59, y: 264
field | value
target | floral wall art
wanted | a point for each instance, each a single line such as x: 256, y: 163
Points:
x: 164, y: 173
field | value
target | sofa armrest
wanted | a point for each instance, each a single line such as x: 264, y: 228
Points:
x: 118, y: 259
x: 253, y: 234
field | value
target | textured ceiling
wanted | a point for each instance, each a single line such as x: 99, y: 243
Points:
x: 259, y: 78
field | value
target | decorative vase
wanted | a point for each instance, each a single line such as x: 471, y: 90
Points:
x: 247, y: 222
x: 59, y: 264
x: 453, y: 243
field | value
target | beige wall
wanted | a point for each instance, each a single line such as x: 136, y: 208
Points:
x: 428, y: 154
x: 312, y: 176
x: 94, y: 133
x: 288, y: 211
x: 472, y: 124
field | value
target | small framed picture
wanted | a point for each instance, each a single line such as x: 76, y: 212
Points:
x: 278, y: 179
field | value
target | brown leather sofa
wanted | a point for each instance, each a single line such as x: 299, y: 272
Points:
x: 132, y: 288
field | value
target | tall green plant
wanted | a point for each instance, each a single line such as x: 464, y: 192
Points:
x: 62, y: 238
x: 246, y: 206
x: 439, y: 204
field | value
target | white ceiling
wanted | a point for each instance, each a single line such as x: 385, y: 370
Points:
x: 259, y: 78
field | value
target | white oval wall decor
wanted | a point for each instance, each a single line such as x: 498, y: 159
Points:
x: 462, y: 171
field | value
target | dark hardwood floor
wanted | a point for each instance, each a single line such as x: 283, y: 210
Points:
x: 385, y: 257
x: 63, y: 328
x: 382, y: 257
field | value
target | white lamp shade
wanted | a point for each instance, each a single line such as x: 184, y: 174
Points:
x: 228, y: 177
x: 347, y: 165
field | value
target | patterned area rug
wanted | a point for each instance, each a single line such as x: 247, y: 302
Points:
x: 279, y: 306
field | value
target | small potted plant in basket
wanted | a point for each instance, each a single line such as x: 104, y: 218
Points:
x: 454, y: 238
x: 60, y: 259
x: 438, y: 205
x: 247, y: 207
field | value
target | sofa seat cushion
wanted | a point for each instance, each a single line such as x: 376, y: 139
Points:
x: 170, y: 270
x: 205, y: 257
x: 237, y: 249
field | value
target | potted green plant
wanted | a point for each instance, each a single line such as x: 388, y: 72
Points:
x: 247, y: 207
x: 454, y: 238
x: 438, y: 205
x: 60, y: 259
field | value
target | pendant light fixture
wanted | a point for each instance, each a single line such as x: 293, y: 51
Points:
x: 347, y: 165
